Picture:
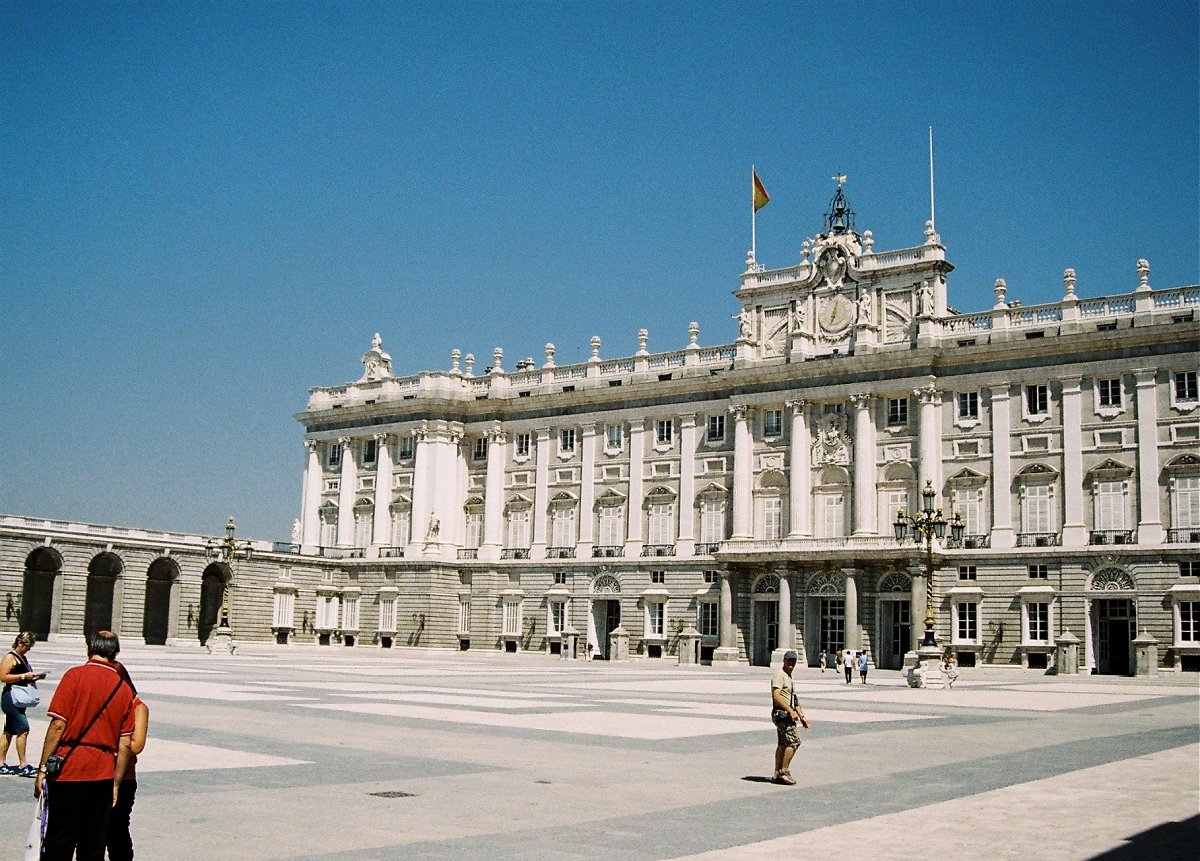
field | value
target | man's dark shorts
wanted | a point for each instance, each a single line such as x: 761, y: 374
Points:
x: 787, y: 733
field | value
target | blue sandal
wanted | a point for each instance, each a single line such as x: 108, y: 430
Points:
x: 26, y: 771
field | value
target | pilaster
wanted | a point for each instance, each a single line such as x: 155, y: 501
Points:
x: 1074, y: 531
x: 799, y: 473
x: 1150, y: 528
x: 864, y: 466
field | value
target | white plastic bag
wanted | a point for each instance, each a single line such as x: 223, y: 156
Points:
x: 33, y: 843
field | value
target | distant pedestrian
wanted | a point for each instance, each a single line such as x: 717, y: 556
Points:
x: 950, y: 668
x: 823, y: 660
x: 785, y: 712
x: 863, y: 662
x: 848, y: 665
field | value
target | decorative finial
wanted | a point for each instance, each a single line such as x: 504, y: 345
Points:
x: 469, y: 361
x: 750, y: 263
x: 1069, y: 283
x: 868, y: 242
x: 455, y: 355
x: 693, y: 333
x: 840, y: 179
x: 643, y: 336
x: 1143, y: 271
x: 1001, y: 290
x: 497, y: 358
x: 549, y: 356
x: 596, y: 347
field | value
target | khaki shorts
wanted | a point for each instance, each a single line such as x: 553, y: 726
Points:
x: 787, y: 734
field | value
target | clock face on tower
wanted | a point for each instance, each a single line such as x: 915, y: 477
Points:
x: 835, y: 314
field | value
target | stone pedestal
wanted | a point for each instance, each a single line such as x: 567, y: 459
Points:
x: 926, y: 670
x: 1145, y: 655
x: 618, y: 645
x: 570, y: 644
x: 1066, y: 654
x: 689, y: 647
x: 726, y: 655
x: 220, y: 642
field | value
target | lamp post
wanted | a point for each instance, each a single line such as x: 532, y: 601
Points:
x: 928, y: 524
x: 225, y: 550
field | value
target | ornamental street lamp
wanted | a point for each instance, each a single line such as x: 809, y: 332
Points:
x: 928, y: 524
x: 226, y: 550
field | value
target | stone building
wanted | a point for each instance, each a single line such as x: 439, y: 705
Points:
x: 726, y: 502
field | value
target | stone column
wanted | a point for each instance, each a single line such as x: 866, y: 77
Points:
x: 918, y: 603
x: 424, y: 474
x: 743, y: 472
x: 587, y: 491
x: 1150, y: 528
x: 800, y: 473
x: 349, y: 482
x: 1003, y: 535
x: 853, y: 629
x: 727, y: 651
x: 865, y: 501
x: 930, y: 433
x: 493, y: 496
x: 310, y: 523
x: 637, y: 470
x: 686, y: 506
x: 382, y: 530
x: 1074, y: 532
x: 787, y: 633
x: 541, y: 494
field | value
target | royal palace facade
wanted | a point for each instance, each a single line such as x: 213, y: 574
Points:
x: 722, y: 503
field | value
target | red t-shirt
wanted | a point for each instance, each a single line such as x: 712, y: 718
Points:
x: 79, y: 696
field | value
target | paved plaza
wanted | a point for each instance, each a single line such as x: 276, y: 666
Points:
x: 341, y: 754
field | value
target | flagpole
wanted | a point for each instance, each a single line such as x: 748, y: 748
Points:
x: 753, y: 216
x: 932, y: 222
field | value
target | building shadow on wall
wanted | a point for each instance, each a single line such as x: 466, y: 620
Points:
x: 1171, y: 841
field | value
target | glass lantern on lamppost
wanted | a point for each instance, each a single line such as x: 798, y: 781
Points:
x: 928, y: 524
x: 226, y: 551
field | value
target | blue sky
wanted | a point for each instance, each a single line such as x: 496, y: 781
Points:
x: 208, y: 208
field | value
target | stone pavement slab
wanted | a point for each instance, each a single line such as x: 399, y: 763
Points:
x: 257, y: 757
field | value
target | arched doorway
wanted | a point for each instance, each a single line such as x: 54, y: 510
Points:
x: 765, y: 619
x: 161, y: 578
x: 42, y: 566
x: 212, y: 589
x: 103, y: 571
x: 605, y: 616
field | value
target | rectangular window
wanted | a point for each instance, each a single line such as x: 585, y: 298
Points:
x: 522, y: 444
x: 464, y: 614
x: 712, y: 521
x: 1039, y: 622
x: 773, y: 423
x: 1189, y: 568
x: 966, y: 617
x: 966, y: 572
x: 1108, y: 392
x: 560, y: 578
x: 663, y: 430
x: 1110, y: 505
x: 969, y: 506
x: 480, y: 450
x: 1185, y: 386
x: 512, y: 618
x: 335, y: 454
x: 716, y: 428
x: 707, y: 619
x: 614, y: 439
x: 1185, y: 502
x: 370, y: 451
x: 658, y: 577
x: 654, y: 619
x: 612, y: 526
x: 968, y: 405
x: 387, y: 614
x: 1038, y: 572
x: 897, y: 412
x: 406, y: 448
x: 474, y: 536
x: 833, y: 520
x: 400, y: 527
x: 1189, y: 621
x: 285, y: 610
x: 1037, y: 514
x: 772, y: 518
x: 350, y: 614
x: 557, y: 619
x: 897, y: 501
x: 711, y: 577
x: 518, y: 528
x: 662, y: 523
x: 562, y: 526
x: 327, y: 612
x: 1037, y: 400
x: 566, y: 440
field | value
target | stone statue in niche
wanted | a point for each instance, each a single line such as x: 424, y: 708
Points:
x: 864, y: 308
x: 830, y: 447
x: 925, y: 299
x: 797, y: 315
x: 435, y: 528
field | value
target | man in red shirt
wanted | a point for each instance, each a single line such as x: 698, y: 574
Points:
x: 91, y: 724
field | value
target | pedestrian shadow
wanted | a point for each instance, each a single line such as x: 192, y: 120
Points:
x: 1170, y: 841
x: 758, y: 778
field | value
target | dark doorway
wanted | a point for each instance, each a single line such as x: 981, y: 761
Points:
x: 606, y: 616
x: 900, y: 622
x: 103, y: 571
x: 212, y: 589
x: 766, y: 631
x: 1116, y: 623
x: 37, y: 599
x: 156, y: 616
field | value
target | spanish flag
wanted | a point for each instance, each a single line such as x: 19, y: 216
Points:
x: 758, y: 194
